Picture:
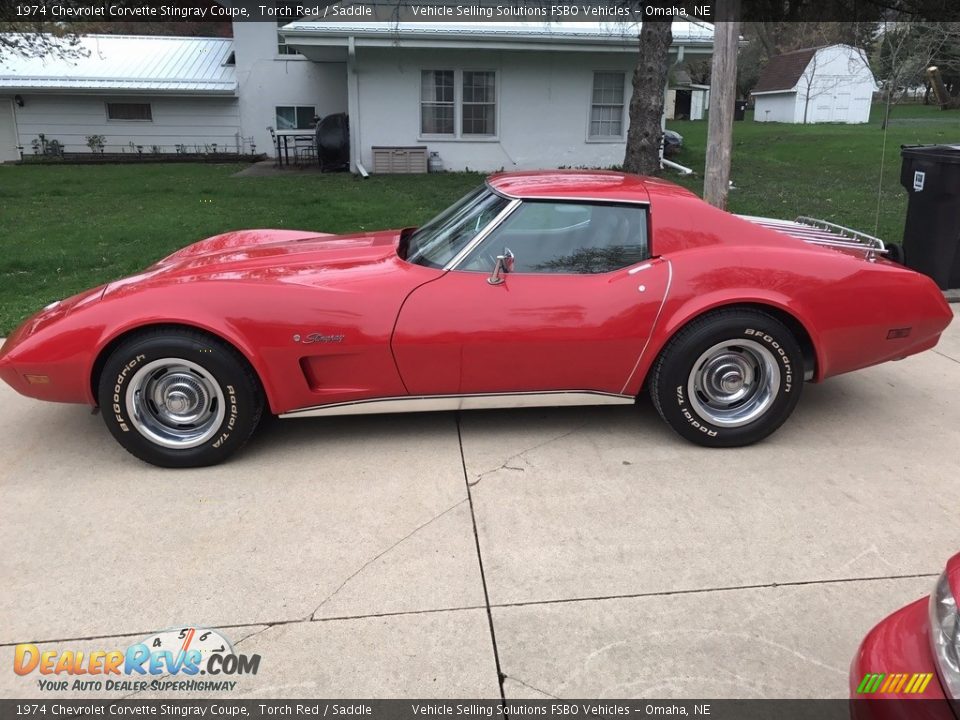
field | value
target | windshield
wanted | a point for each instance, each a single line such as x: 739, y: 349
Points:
x: 438, y: 242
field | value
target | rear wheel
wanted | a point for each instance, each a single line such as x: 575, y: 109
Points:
x: 179, y: 398
x: 729, y: 378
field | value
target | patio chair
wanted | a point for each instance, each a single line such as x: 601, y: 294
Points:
x: 304, y: 151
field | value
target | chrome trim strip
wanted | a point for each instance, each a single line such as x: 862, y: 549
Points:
x: 480, y: 401
x: 479, y: 237
x: 656, y: 319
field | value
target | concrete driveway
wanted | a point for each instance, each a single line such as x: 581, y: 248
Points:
x: 576, y: 552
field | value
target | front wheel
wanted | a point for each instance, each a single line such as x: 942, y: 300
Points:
x: 179, y: 398
x: 729, y: 378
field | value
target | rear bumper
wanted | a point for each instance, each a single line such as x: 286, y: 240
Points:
x: 908, y: 316
x: 899, y: 644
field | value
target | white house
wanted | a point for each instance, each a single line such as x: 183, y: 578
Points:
x: 156, y: 92
x: 483, y: 95
x: 815, y: 85
x: 488, y: 95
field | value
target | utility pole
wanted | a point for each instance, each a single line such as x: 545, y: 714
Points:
x: 723, y: 94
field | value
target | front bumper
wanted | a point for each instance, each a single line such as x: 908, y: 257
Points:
x: 899, y: 645
x: 49, y: 356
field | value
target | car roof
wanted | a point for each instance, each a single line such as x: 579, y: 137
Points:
x: 571, y: 185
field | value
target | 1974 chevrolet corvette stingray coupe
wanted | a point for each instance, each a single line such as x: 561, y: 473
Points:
x: 536, y: 289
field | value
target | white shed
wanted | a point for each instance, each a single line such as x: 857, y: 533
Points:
x: 815, y: 85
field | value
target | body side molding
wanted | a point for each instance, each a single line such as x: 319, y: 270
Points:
x: 480, y: 401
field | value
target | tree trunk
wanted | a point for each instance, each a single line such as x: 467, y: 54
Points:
x: 887, y: 107
x: 646, y: 105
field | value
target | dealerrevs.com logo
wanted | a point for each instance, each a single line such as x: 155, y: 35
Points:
x: 189, y: 659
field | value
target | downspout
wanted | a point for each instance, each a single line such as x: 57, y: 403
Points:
x: 353, y: 107
x: 666, y: 93
x: 664, y: 163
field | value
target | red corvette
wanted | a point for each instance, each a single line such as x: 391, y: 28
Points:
x: 543, y: 288
x: 912, y: 655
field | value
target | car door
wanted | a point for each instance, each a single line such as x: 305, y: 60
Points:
x: 574, y: 313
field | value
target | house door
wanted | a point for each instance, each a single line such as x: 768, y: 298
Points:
x: 8, y: 132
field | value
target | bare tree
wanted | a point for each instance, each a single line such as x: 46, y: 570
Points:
x: 765, y: 40
x: 646, y: 105
x: 38, y: 39
x: 905, y: 51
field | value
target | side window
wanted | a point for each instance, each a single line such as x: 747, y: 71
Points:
x: 565, y: 237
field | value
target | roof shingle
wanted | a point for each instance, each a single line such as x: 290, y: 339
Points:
x: 783, y: 72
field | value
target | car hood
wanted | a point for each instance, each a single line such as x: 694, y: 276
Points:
x: 275, y: 255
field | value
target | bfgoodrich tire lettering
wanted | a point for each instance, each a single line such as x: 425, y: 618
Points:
x: 179, y: 398
x: 729, y: 378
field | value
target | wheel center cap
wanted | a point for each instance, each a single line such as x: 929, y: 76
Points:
x: 732, y: 381
x: 178, y: 402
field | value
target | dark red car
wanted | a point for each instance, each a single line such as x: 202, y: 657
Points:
x: 537, y: 288
x: 912, y: 655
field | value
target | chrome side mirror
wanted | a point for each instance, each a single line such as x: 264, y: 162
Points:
x: 505, y: 264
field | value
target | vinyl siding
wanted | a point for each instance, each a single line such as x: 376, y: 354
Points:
x: 176, y: 120
x: 543, y: 107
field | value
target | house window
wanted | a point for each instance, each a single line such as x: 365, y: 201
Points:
x: 296, y: 117
x: 290, y: 14
x: 458, y: 103
x: 129, y: 111
x: 282, y: 47
x: 436, y: 102
x: 479, y: 107
x: 606, y: 107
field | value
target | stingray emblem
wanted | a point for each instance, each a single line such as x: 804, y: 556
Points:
x: 318, y: 338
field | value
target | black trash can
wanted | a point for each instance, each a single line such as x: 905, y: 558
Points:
x: 931, y: 236
x: 740, y: 110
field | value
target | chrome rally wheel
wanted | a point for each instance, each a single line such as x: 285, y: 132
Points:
x: 178, y: 397
x: 734, y: 382
x: 728, y: 378
x: 175, y: 403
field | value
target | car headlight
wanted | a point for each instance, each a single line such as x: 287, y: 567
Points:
x: 945, y: 635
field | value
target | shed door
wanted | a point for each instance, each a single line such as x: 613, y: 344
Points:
x: 842, y: 107
x: 8, y: 132
x: 824, y: 109
x: 696, y: 105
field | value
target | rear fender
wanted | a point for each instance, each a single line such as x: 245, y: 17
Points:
x: 680, y: 311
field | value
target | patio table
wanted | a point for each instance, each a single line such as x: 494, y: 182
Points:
x: 283, y: 138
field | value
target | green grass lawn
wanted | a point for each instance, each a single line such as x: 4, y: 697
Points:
x: 66, y: 228
x: 832, y: 172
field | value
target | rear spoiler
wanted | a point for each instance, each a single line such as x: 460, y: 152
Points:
x: 821, y: 232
